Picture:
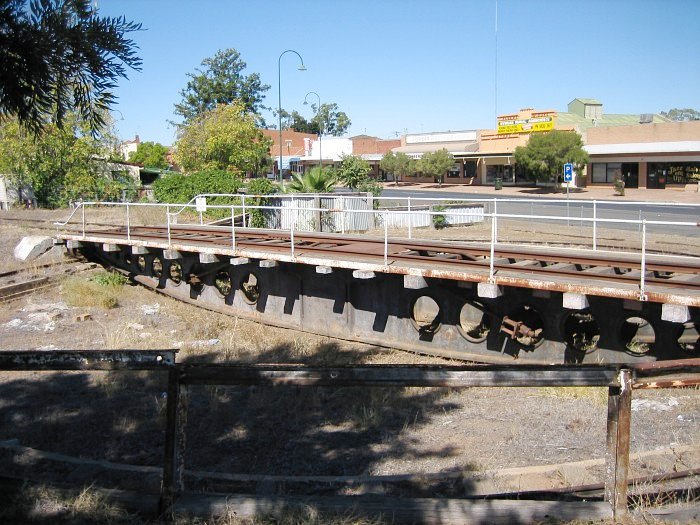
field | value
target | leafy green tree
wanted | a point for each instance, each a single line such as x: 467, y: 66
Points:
x: 316, y: 180
x: 328, y: 121
x: 224, y: 138
x: 59, y: 57
x: 398, y: 164
x: 220, y: 81
x: 150, y: 155
x: 681, y: 114
x: 546, y: 153
x: 60, y: 164
x: 435, y: 164
x: 353, y: 172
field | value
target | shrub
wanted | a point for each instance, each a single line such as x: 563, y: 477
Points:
x: 179, y: 188
x: 259, y: 187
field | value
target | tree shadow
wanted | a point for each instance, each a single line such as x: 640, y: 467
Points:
x: 119, y: 417
x: 281, y: 431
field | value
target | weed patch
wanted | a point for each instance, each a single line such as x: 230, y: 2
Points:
x: 99, y: 291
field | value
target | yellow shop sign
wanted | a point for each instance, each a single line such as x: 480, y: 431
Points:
x: 527, y: 125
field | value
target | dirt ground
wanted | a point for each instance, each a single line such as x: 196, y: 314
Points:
x: 444, y: 436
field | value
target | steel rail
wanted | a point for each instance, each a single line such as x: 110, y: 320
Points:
x: 468, y: 257
x: 400, y: 247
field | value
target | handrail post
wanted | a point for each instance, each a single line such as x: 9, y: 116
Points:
x: 128, y: 223
x: 386, y: 240
x: 243, y: 211
x: 494, y: 229
x: 595, y: 225
x: 291, y: 231
x: 233, y: 230
x: 642, y: 295
x: 495, y: 218
x: 410, y: 220
x: 617, y: 455
x: 82, y: 204
x: 167, y: 216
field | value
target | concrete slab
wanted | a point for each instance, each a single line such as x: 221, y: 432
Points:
x: 240, y: 261
x: 170, y: 255
x: 33, y: 246
x: 414, y: 282
x: 675, y: 313
x: 208, y: 258
x: 489, y: 291
x: 574, y: 301
x: 324, y: 270
x: 363, y: 274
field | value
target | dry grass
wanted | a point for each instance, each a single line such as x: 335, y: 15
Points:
x: 84, y: 293
x: 597, y: 396
x: 305, y: 516
x: 42, y: 504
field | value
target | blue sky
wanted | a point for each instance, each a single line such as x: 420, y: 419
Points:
x: 418, y: 66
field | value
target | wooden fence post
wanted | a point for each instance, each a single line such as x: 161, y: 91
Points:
x: 176, y: 419
x: 617, y: 456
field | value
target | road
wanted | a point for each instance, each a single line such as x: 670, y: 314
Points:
x: 576, y: 209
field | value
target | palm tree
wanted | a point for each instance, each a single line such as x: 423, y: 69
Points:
x: 317, y: 180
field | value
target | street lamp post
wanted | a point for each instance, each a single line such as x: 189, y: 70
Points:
x: 302, y: 67
x: 320, y: 128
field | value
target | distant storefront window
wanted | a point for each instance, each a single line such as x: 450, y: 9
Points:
x: 491, y: 172
x: 675, y: 172
x: 454, y: 171
x: 469, y: 169
x: 606, y: 173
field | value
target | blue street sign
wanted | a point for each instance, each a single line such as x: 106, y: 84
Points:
x: 568, y: 172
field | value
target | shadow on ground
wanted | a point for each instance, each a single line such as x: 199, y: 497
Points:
x: 258, y: 430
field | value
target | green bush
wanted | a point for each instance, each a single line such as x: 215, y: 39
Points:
x: 109, y: 279
x: 179, y: 188
x: 439, y: 221
x: 259, y: 187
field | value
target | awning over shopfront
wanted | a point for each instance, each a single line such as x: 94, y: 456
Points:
x: 686, y: 146
x: 455, y: 148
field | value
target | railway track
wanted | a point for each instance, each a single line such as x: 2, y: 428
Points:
x: 583, y: 266
x: 15, y: 284
x: 458, y: 299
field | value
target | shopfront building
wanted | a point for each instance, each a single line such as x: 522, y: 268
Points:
x: 645, y: 155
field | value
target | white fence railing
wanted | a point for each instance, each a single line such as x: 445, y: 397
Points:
x: 357, y: 213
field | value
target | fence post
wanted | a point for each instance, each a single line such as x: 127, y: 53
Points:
x: 83, y: 211
x: 410, y: 220
x: 617, y: 455
x: 176, y: 419
x: 243, y: 203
